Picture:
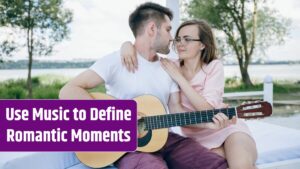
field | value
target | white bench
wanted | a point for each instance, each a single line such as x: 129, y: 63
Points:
x: 267, y: 93
x: 278, y: 148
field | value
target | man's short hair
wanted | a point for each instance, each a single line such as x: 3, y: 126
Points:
x: 144, y: 13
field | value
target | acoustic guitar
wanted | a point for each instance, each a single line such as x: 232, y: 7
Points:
x: 154, y: 124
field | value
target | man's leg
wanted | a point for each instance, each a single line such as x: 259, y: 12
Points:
x: 140, y: 160
x: 186, y: 153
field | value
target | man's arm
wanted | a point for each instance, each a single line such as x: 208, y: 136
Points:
x: 77, y: 87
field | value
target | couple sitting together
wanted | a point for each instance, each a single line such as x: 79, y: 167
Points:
x: 195, y: 82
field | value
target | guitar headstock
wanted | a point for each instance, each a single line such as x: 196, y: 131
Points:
x: 254, y: 110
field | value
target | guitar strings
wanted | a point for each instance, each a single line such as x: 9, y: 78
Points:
x: 179, y: 119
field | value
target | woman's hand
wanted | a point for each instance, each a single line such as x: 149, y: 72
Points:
x: 172, y: 69
x: 220, y: 121
x: 128, y: 56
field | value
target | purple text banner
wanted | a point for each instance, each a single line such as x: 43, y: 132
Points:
x: 68, y: 125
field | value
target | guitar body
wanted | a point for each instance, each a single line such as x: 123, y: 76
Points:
x: 148, y: 141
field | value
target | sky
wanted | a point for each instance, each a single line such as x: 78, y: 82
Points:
x: 290, y: 50
x: 100, y: 27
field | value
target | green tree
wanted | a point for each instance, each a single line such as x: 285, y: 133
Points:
x: 6, y: 48
x: 249, y: 27
x: 39, y: 26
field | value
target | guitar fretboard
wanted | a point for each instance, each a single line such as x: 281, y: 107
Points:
x: 183, y: 119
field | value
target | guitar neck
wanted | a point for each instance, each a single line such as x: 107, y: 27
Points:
x: 183, y: 119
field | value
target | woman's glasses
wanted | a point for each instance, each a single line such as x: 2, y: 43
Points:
x: 184, y: 40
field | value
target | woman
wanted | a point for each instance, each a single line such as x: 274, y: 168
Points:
x: 200, y: 76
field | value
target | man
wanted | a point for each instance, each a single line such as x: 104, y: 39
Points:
x: 151, y: 26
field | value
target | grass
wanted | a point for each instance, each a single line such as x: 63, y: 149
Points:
x: 44, y: 87
x: 48, y: 86
x: 283, y: 90
x: 16, y: 89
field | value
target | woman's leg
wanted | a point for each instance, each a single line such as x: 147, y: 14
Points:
x: 240, y: 151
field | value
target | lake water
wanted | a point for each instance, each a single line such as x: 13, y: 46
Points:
x: 257, y: 72
x: 22, y: 73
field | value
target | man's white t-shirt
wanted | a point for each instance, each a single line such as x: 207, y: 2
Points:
x: 150, y: 78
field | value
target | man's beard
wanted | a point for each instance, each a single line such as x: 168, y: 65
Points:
x: 160, y: 47
x: 165, y: 50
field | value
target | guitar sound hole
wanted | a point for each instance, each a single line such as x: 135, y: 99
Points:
x: 144, y: 136
x: 141, y: 128
x: 143, y: 141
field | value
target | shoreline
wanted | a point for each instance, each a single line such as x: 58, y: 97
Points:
x: 257, y: 72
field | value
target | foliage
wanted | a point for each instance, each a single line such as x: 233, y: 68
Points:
x: 47, y: 19
x: 38, y: 25
x: 248, y: 27
x: 49, y: 89
x: 16, y: 89
x: 279, y: 87
x: 43, y: 88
